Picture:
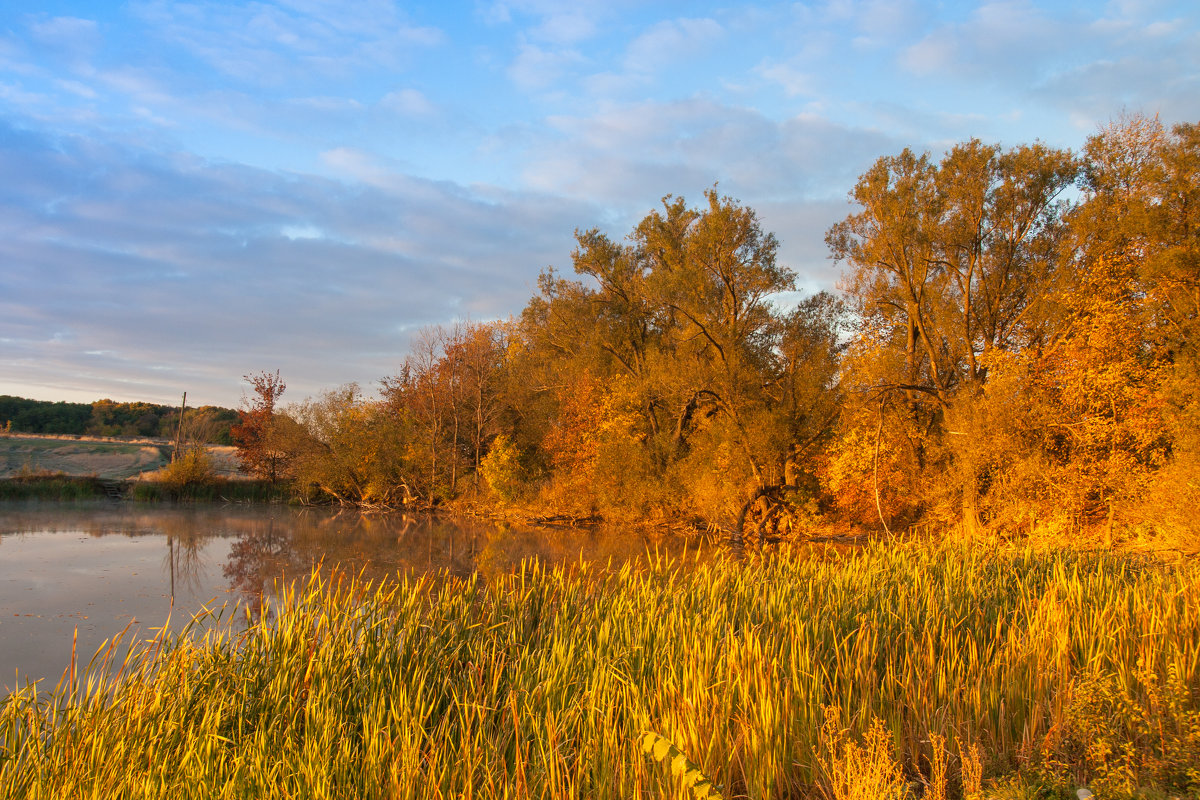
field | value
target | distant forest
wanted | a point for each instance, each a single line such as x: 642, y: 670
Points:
x: 1014, y: 345
x: 207, y: 424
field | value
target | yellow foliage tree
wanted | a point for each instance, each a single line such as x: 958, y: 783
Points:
x: 1099, y: 384
x: 594, y: 416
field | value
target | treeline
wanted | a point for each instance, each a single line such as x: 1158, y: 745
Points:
x: 1013, y: 345
x: 207, y: 424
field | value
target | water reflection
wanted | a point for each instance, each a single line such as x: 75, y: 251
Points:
x: 99, y: 567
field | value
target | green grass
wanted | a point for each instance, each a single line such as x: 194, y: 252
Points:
x: 50, y: 487
x: 543, y: 684
x: 69, y: 487
x: 217, y: 490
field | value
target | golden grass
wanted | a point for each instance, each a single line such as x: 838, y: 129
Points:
x: 543, y: 683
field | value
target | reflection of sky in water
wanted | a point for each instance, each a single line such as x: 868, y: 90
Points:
x: 99, y: 567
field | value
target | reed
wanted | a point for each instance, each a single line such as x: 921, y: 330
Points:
x: 544, y: 683
x: 50, y: 486
x: 217, y: 490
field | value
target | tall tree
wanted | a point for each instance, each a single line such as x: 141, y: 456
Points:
x: 713, y: 273
x: 674, y: 340
x: 946, y: 262
x: 479, y: 350
x: 258, y: 450
x: 954, y: 257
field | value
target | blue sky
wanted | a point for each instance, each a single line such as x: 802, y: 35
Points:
x: 194, y: 191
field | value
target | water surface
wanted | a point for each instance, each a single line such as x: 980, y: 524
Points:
x: 96, y: 568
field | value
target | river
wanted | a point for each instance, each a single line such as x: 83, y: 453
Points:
x: 90, y: 570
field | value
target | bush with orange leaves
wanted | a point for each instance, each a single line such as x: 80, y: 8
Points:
x: 871, y: 469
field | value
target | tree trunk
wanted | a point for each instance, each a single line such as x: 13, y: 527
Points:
x: 769, y: 494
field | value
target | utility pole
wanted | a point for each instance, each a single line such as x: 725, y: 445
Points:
x: 179, y: 429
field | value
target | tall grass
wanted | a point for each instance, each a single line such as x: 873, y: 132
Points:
x: 53, y: 486
x: 543, y: 684
x: 216, y: 490
x: 50, y: 486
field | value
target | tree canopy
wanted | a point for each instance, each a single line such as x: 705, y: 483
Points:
x: 1014, y: 344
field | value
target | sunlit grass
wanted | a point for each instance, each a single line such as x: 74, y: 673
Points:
x: 543, y: 684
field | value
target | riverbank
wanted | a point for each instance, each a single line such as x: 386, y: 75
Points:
x: 51, y: 487
x: 54, y: 486
x: 985, y: 674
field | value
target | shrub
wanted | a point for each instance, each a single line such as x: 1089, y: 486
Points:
x: 503, y: 470
x: 1120, y: 739
x: 192, y: 468
x: 866, y: 771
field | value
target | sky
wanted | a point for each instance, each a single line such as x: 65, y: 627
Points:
x: 196, y: 191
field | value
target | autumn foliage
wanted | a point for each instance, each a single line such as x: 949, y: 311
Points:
x: 1013, y: 349
x: 255, y: 435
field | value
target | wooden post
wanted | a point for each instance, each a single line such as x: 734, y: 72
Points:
x: 179, y: 428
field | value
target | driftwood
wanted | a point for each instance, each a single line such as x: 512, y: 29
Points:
x: 566, y: 520
x: 771, y: 495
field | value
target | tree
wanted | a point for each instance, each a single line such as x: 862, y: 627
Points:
x: 479, y: 352
x: 254, y: 436
x: 948, y: 261
x: 353, y: 450
x: 429, y: 389
x: 1101, y: 387
x: 712, y: 273
x: 672, y: 345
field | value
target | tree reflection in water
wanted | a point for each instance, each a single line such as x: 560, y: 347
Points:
x: 91, y: 570
x: 270, y: 544
x: 184, y: 560
x: 388, y: 546
x: 260, y: 557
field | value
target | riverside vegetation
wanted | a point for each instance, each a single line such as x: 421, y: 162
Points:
x: 1005, y: 354
x: 897, y: 671
x: 1014, y: 349
x: 1008, y: 362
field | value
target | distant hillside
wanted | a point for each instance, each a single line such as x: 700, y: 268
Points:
x: 208, y: 424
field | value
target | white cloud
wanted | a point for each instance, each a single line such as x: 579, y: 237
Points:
x: 932, y: 55
x: 553, y: 18
x: 670, y: 42
x: 267, y: 44
x: 16, y: 95
x: 154, y: 119
x: 302, y: 231
x: 331, y: 105
x: 136, y: 84
x: 628, y: 156
x: 564, y: 28
x: 77, y: 88
x: 794, y: 82
x: 65, y: 31
x: 536, y: 68
x: 1007, y: 40
x: 1094, y: 93
x: 219, y: 270
x: 890, y: 20
x: 409, y: 102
